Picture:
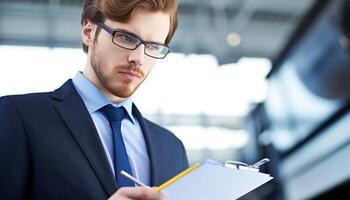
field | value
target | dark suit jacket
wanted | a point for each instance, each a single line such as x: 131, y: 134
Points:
x: 50, y: 149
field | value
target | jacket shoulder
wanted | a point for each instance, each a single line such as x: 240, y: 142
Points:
x: 27, y: 100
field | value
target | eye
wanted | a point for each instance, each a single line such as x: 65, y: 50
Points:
x: 153, y: 47
x: 126, y: 38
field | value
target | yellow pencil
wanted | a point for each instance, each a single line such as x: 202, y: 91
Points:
x: 177, y: 177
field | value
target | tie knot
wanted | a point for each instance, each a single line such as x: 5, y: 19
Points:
x: 113, y: 113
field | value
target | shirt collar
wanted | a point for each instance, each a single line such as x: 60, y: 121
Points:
x: 94, y: 99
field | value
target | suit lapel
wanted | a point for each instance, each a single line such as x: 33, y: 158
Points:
x: 154, y: 148
x: 74, y: 113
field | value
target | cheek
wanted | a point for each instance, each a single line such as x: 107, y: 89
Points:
x: 149, y: 65
x: 108, y: 53
x: 112, y: 57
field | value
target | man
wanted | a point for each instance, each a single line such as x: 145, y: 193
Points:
x: 62, y: 144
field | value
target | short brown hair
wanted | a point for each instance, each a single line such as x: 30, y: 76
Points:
x: 122, y: 10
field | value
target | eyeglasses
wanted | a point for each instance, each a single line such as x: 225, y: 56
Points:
x: 131, y: 42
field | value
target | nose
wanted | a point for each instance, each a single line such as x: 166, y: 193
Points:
x: 137, y: 56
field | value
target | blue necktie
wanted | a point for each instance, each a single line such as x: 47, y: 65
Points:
x: 120, y: 161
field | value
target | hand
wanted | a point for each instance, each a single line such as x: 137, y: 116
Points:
x: 137, y: 193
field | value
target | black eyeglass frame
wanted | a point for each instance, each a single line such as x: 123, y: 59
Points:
x: 114, y: 31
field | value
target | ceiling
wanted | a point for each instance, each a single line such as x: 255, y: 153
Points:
x: 258, y: 28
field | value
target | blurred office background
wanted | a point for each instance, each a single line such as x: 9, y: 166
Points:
x: 248, y: 79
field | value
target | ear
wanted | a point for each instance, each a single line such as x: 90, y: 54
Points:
x: 88, y: 32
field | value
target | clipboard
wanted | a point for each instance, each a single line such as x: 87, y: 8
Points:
x: 211, y: 180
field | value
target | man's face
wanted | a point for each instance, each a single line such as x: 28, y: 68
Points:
x: 118, y: 72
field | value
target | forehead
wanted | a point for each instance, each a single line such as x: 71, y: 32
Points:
x: 149, y: 26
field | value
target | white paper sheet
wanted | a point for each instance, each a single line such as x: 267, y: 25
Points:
x: 214, y: 182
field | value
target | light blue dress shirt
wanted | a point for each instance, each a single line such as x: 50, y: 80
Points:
x: 134, y: 141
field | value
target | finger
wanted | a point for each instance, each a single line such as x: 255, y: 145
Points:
x: 162, y: 196
x: 140, y: 193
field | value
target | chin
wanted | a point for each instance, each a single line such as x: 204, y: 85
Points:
x: 122, y: 92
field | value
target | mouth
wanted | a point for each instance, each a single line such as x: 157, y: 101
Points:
x: 130, y: 74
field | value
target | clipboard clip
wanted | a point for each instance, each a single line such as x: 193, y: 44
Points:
x: 245, y: 166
